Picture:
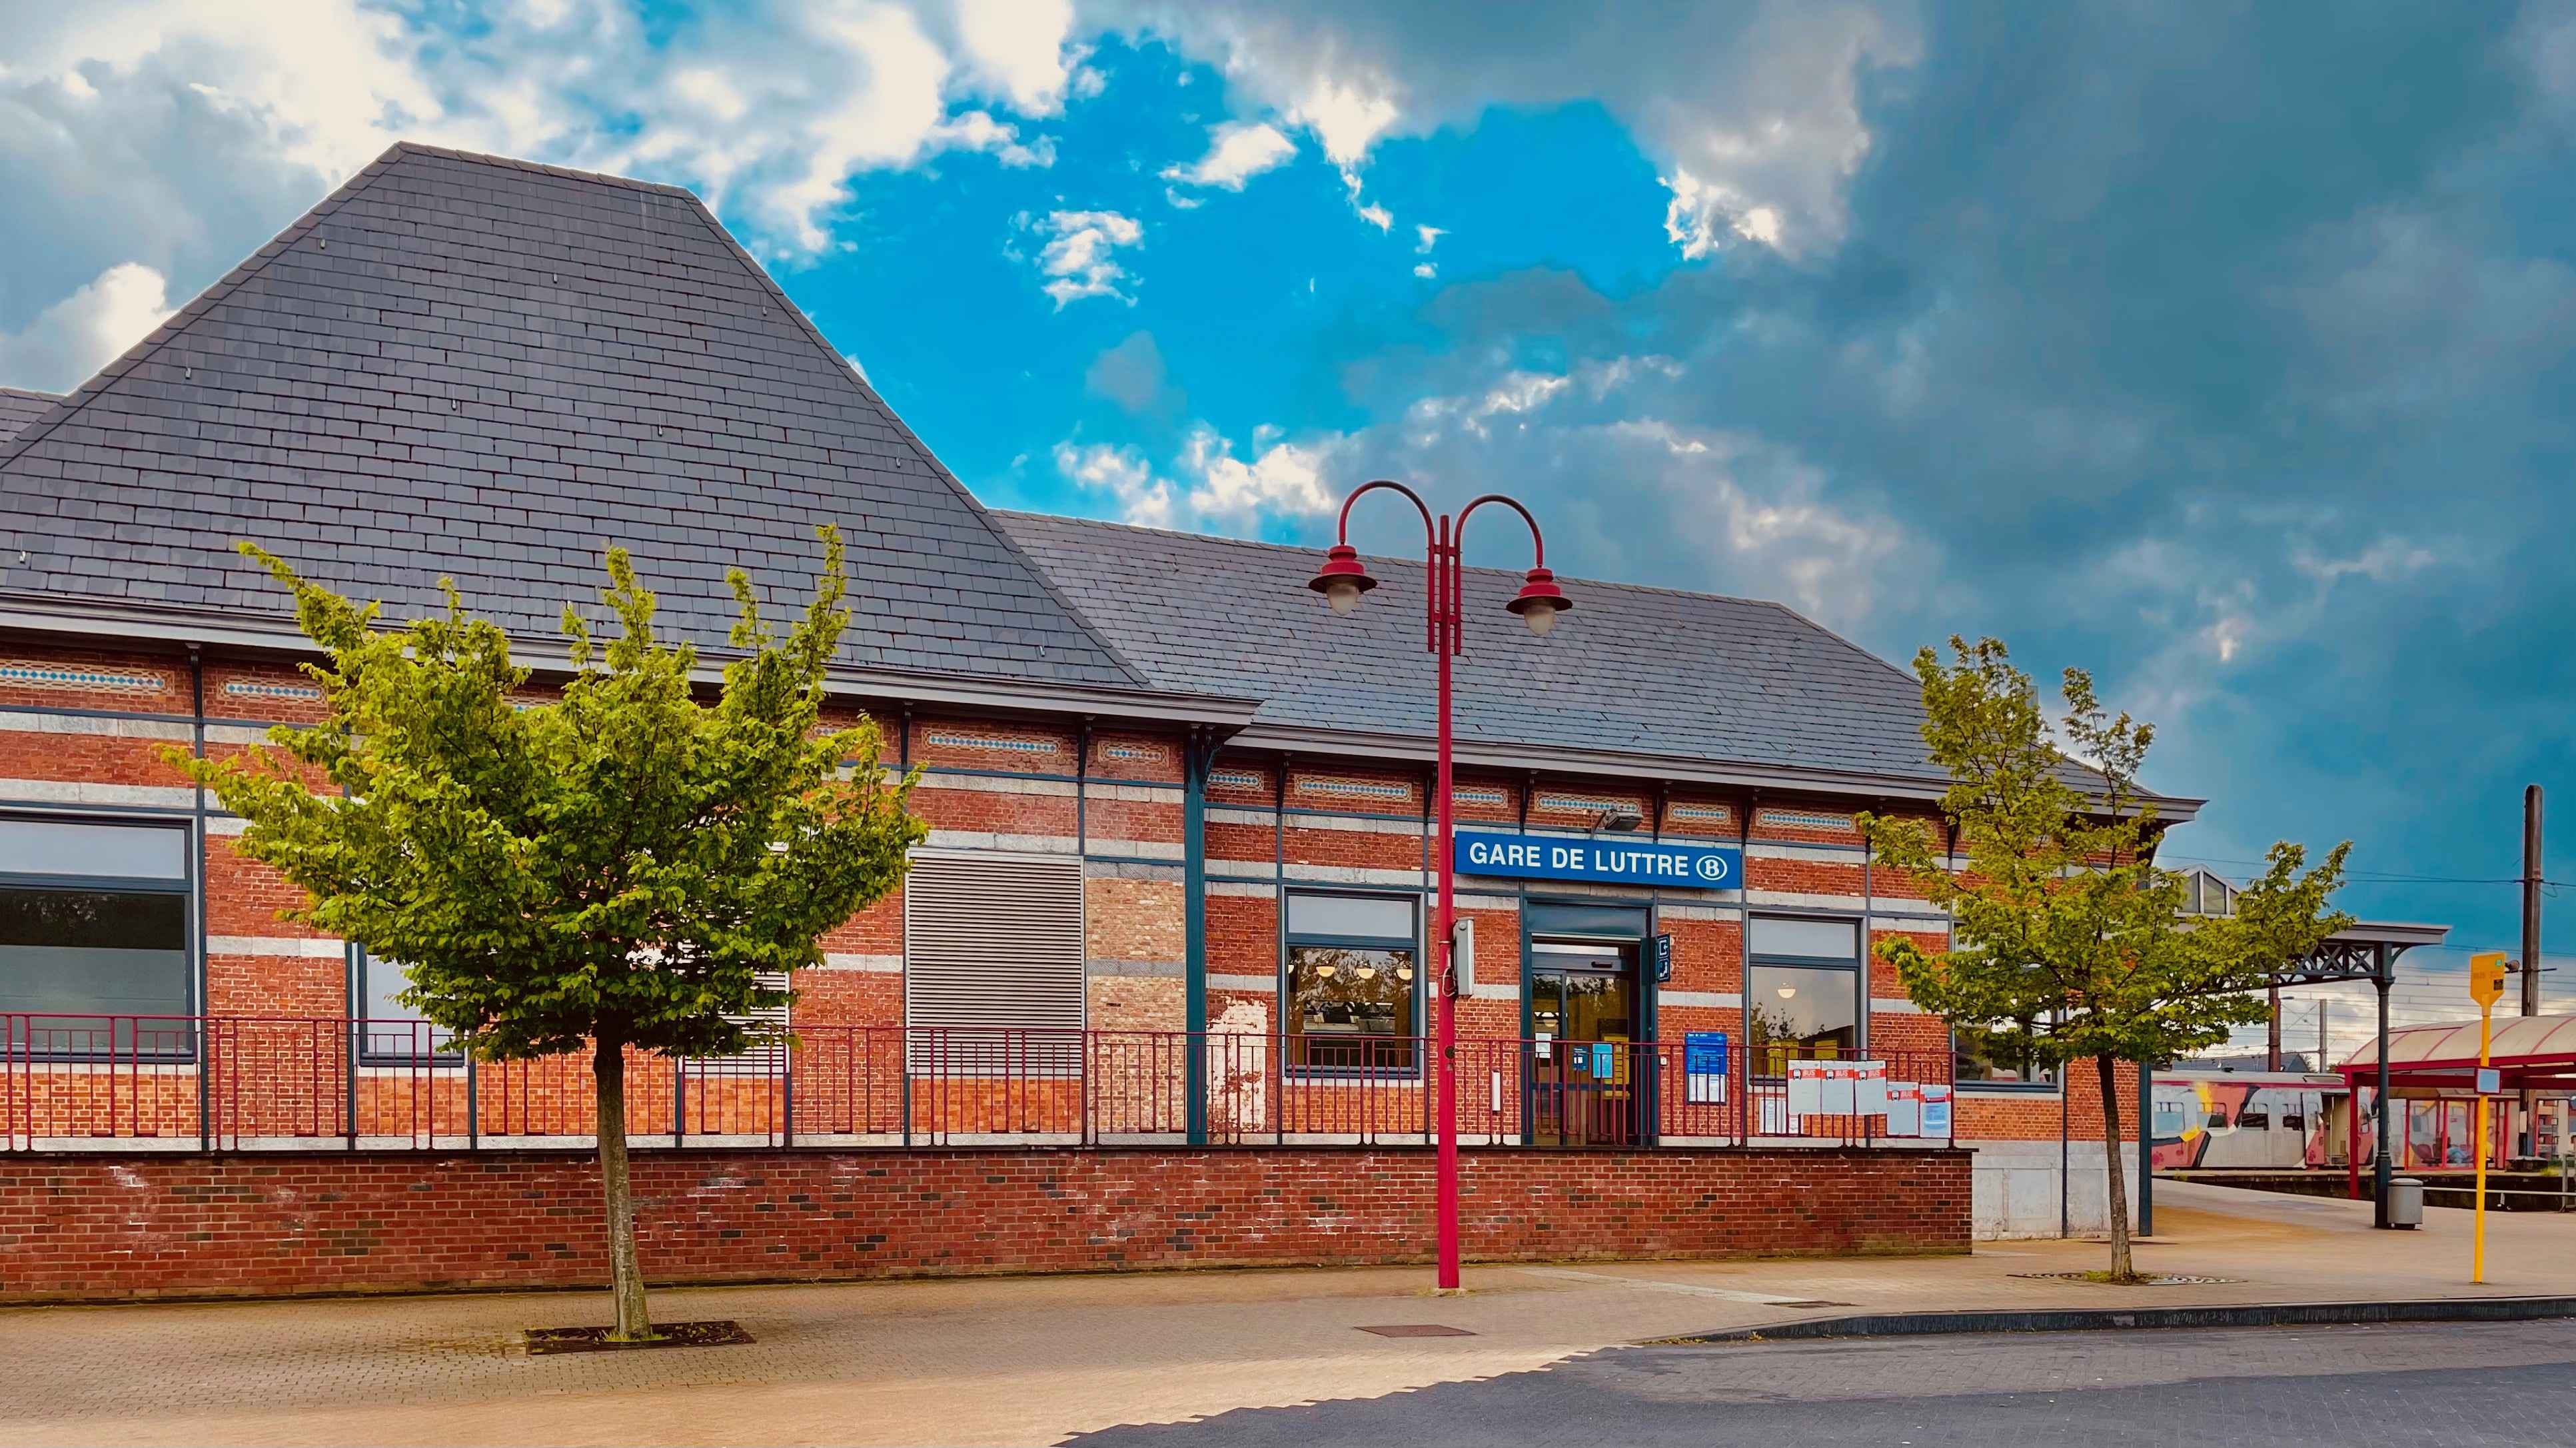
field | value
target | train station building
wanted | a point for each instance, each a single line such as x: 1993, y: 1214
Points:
x: 1154, y: 991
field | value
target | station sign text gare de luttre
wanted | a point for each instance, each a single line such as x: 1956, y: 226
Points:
x: 1619, y: 862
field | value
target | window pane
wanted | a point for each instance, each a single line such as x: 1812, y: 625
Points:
x: 81, y: 956
x: 1371, y: 917
x: 1620, y: 922
x: 385, y: 1033
x: 384, y: 980
x: 1993, y: 1064
x: 1350, y: 1008
x: 1818, y: 939
x: 72, y: 847
x: 1799, y: 1014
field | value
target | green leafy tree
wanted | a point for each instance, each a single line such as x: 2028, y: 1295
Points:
x: 2068, y: 944
x: 625, y: 867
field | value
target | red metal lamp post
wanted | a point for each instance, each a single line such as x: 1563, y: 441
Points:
x: 1342, y: 580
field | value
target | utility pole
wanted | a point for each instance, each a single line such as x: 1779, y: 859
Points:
x: 2272, y: 1034
x: 2530, y: 941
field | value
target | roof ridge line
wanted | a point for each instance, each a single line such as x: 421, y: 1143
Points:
x: 1586, y: 581
x: 542, y: 168
x: 241, y: 274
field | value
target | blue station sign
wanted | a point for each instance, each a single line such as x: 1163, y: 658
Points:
x: 1607, y: 861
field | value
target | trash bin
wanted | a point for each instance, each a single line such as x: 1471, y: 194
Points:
x: 2406, y: 1202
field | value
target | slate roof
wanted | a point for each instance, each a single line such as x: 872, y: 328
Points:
x: 1736, y: 685
x: 487, y: 368
x: 19, y: 407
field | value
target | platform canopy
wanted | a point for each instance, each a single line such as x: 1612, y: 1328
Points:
x: 2536, y: 1053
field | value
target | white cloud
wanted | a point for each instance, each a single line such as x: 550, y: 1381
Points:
x: 2384, y: 561
x: 182, y: 134
x: 1377, y: 216
x: 1279, y: 478
x: 1347, y: 115
x: 1425, y: 270
x: 1123, y: 475
x: 1427, y: 237
x: 1208, y: 486
x: 1237, y: 152
x: 1080, y: 256
x: 1757, y: 105
x: 83, y: 332
x: 978, y: 131
x: 1017, y: 51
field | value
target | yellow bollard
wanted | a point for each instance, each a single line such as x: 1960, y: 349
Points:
x: 2486, y: 983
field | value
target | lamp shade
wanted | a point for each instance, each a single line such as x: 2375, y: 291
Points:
x: 1539, y: 601
x: 1342, y: 580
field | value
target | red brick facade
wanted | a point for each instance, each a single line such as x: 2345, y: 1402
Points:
x: 84, y: 1227
x: 82, y: 731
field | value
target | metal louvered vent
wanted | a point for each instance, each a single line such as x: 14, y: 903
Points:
x: 993, y: 963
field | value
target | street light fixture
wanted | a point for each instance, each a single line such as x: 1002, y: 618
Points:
x: 1342, y: 580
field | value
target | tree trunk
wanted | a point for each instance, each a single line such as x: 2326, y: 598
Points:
x: 2115, y: 1172
x: 625, y: 1271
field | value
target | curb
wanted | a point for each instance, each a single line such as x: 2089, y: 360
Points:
x: 2091, y: 1319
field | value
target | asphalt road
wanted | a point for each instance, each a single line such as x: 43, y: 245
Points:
x: 2461, y: 1386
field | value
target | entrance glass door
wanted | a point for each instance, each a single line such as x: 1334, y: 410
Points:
x: 1583, y: 1068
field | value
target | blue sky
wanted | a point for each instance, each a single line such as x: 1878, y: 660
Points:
x: 2222, y: 349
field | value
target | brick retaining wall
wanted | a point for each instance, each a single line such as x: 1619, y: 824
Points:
x: 80, y: 1226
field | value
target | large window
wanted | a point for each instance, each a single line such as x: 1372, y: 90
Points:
x: 1354, y: 980
x: 94, y: 937
x: 388, y: 1030
x: 1991, y: 1064
x: 1802, y: 996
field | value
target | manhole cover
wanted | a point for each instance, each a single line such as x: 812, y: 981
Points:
x: 1811, y: 1302
x: 1417, y: 1329
x: 544, y: 1340
x: 2160, y: 1281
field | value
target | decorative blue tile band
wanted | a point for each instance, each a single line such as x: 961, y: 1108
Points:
x: 255, y: 689
x: 1354, y: 789
x: 1794, y: 820
x: 59, y: 676
x: 993, y: 741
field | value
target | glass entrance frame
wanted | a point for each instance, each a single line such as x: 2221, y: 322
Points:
x: 1588, y: 1068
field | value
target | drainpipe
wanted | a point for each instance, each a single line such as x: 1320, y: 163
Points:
x: 205, y: 1037
x: 1196, y: 755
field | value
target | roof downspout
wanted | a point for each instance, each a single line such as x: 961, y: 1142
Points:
x: 1196, y: 755
x: 205, y: 985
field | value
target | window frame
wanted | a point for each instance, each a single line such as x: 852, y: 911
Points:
x: 436, y: 1057
x: 1856, y: 965
x: 1289, y: 942
x: 2052, y: 1084
x: 191, y: 935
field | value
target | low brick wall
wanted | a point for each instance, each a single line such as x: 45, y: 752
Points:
x: 81, y: 1226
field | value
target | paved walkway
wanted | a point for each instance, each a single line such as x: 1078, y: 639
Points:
x: 1032, y: 1360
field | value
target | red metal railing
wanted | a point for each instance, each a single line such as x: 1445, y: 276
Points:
x: 246, y: 1082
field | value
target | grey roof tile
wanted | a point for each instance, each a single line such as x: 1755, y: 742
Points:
x: 19, y: 408
x: 449, y: 340
x: 1726, y: 681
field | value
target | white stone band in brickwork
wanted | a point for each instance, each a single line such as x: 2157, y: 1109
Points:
x: 851, y: 960
x: 56, y: 791
x: 1711, y: 999
x: 318, y: 949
